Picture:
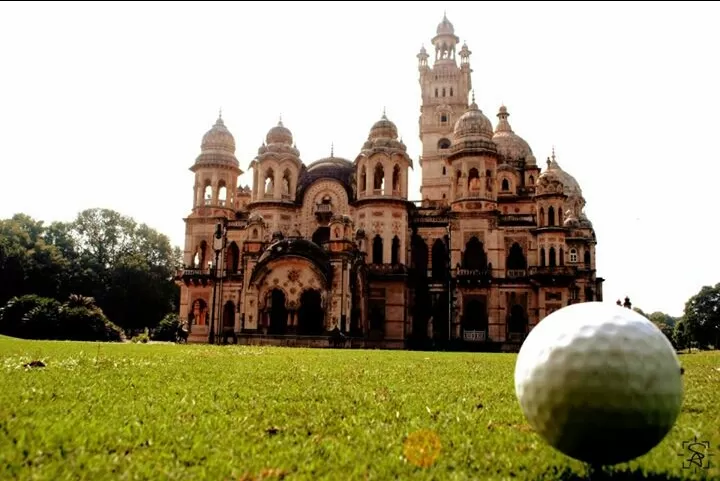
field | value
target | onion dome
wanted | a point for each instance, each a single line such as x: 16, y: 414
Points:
x: 473, y: 123
x: 279, y: 135
x: 218, y: 138
x: 511, y: 147
x: 383, y: 129
x: 217, y: 147
x: 555, y: 173
x: 445, y: 27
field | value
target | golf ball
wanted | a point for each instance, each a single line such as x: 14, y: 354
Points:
x: 599, y: 382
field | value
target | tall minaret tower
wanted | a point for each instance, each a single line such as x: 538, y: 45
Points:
x: 445, y: 89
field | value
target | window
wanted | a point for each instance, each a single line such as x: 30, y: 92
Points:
x: 505, y: 185
x: 444, y: 170
x: 443, y: 119
x: 573, y: 256
x: 443, y: 143
x: 436, y: 92
x: 443, y: 91
x: 451, y: 91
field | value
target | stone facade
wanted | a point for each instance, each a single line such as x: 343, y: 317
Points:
x: 495, y: 244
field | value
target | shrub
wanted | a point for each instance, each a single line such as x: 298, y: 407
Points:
x: 34, y: 317
x: 143, y: 338
x: 88, y: 324
x: 167, y: 328
x: 31, y: 317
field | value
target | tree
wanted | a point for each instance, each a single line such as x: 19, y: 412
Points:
x: 702, y: 316
x: 664, y: 322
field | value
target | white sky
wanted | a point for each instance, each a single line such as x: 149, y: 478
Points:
x: 105, y: 104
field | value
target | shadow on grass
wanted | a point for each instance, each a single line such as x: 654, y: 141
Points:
x: 608, y: 474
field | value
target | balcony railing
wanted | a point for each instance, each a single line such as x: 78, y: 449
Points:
x: 517, y: 219
x: 552, y: 271
x: 474, y: 336
x: 387, y: 269
x: 516, y: 273
x: 474, y: 273
x: 516, y: 336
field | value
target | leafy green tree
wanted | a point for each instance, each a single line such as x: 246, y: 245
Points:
x: 702, y: 315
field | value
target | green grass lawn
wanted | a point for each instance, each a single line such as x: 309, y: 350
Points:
x: 161, y: 411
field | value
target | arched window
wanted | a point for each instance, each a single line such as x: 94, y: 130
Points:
x: 419, y: 260
x: 439, y: 261
x: 562, y: 256
x: 552, y: 257
x: 443, y: 144
x: 222, y: 193
x: 541, y: 218
x: 551, y: 216
x: 396, y: 180
x: 542, y: 257
x: 377, y: 250
x: 233, y: 258
x: 532, y: 180
x: 395, y: 251
x: 516, y: 259
x: 474, y: 256
x: 587, y: 258
x: 474, y: 179
x: 363, y: 180
x: 379, y: 178
x: 505, y: 185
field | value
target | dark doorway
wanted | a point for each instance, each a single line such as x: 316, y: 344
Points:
x: 474, y: 256
x: 419, y: 257
x: 439, y: 261
x: 278, y: 312
x: 311, y: 317
x: 474, y: 316
x: 517, y: 321
x: 321, y: 235
x: 228, y: 319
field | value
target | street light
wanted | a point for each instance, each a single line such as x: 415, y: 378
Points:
x: 218, y: 246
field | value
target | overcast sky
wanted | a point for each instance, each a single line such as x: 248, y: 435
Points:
x: 105, y: 104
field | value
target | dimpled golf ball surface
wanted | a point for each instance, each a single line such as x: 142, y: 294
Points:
x: 599, y: 382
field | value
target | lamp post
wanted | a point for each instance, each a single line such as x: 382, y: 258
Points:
x: 218, y: 245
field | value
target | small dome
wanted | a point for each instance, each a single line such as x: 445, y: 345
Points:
x: 383, y: 129
x: 279, y: 135
x: 511, y: 147
x: 445, y: 27
x: 218, y: 138
x: 570, y: 219
x: 555, y: 172
x: 473, y: 123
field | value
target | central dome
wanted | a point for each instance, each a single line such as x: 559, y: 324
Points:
x: 383, y: 129
x: 445, y: 27
x: 218, y: 138
x: 279, y: 135
x: 473, y: 123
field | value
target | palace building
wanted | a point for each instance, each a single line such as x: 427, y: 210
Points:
x: 314, y: 249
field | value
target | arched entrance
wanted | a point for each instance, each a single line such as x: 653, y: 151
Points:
x: 278, y: 312
x: 228, y: 319
x: 311, y: 317
x: 475, y: 317
x: 517, y: 323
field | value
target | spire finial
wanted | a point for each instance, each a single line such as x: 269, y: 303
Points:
x: 332, y: 149
x: 473, y: 95
x: 220, y: 113
x: 384, y: 116
x: 280, y: 121
x: 553, y: 153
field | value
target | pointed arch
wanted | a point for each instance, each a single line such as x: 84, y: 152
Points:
x: 378, y: 178
x: 363, y: 180
x: 474, y: 256
x: 505, y: 185
x: 232, y: 258
x: 395, y: 251
x: 551, y: 216
x: 587, y: 258
x: 516, y: 259
x: 553, y: 259
x: 396, y: 180
x: 439, y: 261
x: 377, y: 250
x: 419, y: 256
x: 287, y: 185
x: 541, y: 217
x: 542, y: 257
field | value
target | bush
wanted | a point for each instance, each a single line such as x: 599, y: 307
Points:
x: 167, y: 329
x: 89, y: 324
x: 143, y: 338
x: 34, y: 317
x: 31, y: 317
